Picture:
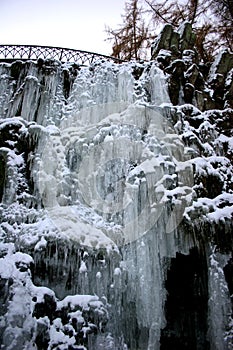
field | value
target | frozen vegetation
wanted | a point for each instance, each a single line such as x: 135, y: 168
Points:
x: 116, y: 203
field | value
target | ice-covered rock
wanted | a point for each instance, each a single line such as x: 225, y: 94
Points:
x: 116, y: 204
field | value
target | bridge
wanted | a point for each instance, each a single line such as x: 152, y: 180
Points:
x: 34, y: 52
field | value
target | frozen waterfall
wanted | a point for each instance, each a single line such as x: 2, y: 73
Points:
x: 97, y: 207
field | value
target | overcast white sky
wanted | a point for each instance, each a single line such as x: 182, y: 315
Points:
x: 77, y: 24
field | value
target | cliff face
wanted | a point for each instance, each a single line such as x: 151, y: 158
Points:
x: 116, y: 202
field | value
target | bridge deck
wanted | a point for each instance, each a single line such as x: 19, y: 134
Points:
x: 33, y: 52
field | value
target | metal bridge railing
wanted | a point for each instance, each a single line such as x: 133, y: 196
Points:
x: 33, y: 52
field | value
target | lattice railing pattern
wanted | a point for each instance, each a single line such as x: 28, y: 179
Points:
x: 33, y: 52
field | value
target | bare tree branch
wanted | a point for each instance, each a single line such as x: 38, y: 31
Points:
x: 157, y: 12
x: 212, y: 21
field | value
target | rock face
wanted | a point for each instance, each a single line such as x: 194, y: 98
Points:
x: 116, y: 202
x: 191, y: 81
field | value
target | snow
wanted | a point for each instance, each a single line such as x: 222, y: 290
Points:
x: 70, y: 226
x: 117, y: 271
x: 83, y: 267
x: 10, y: 261
x: 14, y: 121
x: 41, y: 244
x: 98, y: 275
x: 113, y: 179
x: 221, y: 213
x: 84, y: 301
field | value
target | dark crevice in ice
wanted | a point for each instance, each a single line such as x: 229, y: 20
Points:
x: 186, y: 307
x: 2, y: 176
